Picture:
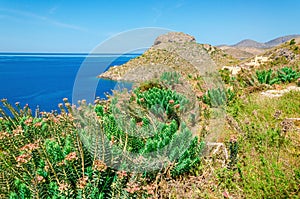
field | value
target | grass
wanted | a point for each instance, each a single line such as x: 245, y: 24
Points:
x: 268, y: 165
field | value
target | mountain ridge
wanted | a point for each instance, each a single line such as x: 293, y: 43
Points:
x: 268, y: 44
x: 248, y: 48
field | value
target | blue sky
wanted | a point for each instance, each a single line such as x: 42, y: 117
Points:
x: 79, y: 26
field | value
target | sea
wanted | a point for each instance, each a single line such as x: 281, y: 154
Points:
x: 42, y: 80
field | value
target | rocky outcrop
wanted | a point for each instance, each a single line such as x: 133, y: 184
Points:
x: 174, y: 37
x: 288, y: 54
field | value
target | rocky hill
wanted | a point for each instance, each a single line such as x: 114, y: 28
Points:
x: 269, y: 44
x: 242, y: 53
x: 250, y: 43
x: 286, y: 54
x: 180, y: 52
x: 172, y: 51
x: 280, y: 40
x: 249, y: 48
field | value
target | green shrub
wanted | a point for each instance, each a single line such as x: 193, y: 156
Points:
x: 42, y: 157
x: 170, y: 78
x: 287, y: 74
x: 218, y: 97
x: 225, y: 75
x: 292, y: 42
x: 266, y: 77
x: 136, y: 132
x: 283, y: 75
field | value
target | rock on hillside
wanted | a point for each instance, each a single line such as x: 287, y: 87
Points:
x: 174, y: 37
x: 285, y: 54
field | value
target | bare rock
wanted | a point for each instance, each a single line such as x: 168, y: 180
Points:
x: 286, y: 53
x: 174, y: 37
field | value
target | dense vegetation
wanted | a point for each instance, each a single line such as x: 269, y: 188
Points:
x: 140, y: 144
x: 95, y: 151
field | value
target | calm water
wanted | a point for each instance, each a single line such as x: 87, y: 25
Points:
x: 45, y: 79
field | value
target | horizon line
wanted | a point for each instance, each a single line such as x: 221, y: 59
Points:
x: 78, y: 53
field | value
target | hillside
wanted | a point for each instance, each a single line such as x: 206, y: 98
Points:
x: 249, y: 48
x: 165, y: 138
x: 280, y: 40
x: 250, y: 43
x: 287, y: 53
x: 178, y: 51
x: 268, y: 44
x: 241, y: 53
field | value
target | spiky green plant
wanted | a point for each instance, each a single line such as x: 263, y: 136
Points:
x: 287, y: 74
x: 82, y: 152
x: 266, y: 77
x: 170, y: 78
x: 218, y: 97
x: 43, y: 157
x: 130, y: 132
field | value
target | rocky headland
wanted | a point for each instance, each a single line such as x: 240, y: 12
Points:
x: 172, y: 51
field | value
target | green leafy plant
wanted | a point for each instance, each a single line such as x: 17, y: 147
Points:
x: 292, y: 42
x: 287, y: 74
x: 283, y: 75
x: 170, y: 78
x: 225, y: 75
x: 218, y: 97
x: 266, y: 77
x: 169, y: 136
x: 42, y: 157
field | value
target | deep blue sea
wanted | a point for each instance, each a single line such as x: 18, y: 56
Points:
x: 45, y: 79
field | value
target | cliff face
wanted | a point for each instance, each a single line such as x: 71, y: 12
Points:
x: 172, y: 51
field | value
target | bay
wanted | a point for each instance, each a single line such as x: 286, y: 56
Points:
x: 44, y: 79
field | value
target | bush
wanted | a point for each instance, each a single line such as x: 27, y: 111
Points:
x: 47, y: 156
x: 266, y: 77
x: 42, y: 157
x: 170, y: 78
x: 218, y: 97
x: 287, y: 74
x: 225, y: 75
x: 292, y: 42
x: 283, y: 75
x: 138, y: 132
